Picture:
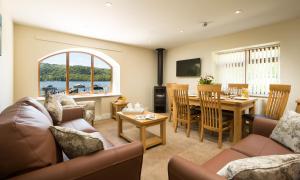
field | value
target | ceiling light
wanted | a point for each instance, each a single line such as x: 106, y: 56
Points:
x: 108, y: 4
x: 238, y: 11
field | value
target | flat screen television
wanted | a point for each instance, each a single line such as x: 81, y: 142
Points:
x: 188, y: 67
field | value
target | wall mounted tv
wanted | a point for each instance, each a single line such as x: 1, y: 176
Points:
x: 188, y: 67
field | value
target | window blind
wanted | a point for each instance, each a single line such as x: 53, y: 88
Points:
x: 231, y: 68
x: 259, y: 67
x: 263, y: 69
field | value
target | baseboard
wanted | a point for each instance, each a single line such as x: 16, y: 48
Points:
x: 103, y: 116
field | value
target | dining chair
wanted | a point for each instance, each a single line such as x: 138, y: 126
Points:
x: 170, y: 99
x: 211, y: 112
x: 276, y: 104
x: 182, y: 111
x: 237, y: 86
x: 277, y: 100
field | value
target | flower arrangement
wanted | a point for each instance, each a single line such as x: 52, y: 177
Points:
x: 208, y: 79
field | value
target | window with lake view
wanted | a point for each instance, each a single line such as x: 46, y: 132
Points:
x: 74, y: 73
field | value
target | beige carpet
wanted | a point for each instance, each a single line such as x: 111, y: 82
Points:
x: 156, y: 159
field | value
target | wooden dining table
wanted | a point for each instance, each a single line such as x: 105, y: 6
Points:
x: 237, y: 106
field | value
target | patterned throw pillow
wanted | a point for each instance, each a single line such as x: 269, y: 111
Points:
x: 283, y: 167
x: 76, y: 143
x: 68, y: 101
x: 52, y: 104
x: 287, y: 131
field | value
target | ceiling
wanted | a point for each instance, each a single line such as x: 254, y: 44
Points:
x: 151, y: 23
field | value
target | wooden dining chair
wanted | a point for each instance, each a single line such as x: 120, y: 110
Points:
x: 211, y: 112
x: 182, y: 112
x: 276, y: 104
x: 170, y: 99
x: 277, y: 100
x: 238, y: 86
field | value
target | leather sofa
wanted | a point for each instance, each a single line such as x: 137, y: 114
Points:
x: 29, y: 151
x: 256, y: 144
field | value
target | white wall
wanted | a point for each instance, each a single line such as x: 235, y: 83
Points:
x: 287, y: 33
x: 6, y: 59
x: 137, y: 65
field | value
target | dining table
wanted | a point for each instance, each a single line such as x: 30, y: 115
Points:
x: 238, y: 106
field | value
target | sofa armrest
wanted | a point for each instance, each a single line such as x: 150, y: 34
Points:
x: 181, y: 169
x: 71, y: 113
x: 263, y: 126
x: 122, y: 162
x: 87, y: 105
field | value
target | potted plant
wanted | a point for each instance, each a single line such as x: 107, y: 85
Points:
x: 208, y: 79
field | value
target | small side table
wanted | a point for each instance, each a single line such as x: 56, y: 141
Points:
x: 116, y: 107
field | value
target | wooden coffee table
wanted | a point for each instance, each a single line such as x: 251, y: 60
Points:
x: 142, y: 125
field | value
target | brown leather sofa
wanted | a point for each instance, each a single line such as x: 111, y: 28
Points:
x: 256, y: 144
x: 29, y: 151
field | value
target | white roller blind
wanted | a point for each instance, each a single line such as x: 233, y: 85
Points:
x: 231, y: 68
x: 259, y: 67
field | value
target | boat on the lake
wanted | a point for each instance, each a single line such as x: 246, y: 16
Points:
x: 96, y: 87
x: 79, y: 86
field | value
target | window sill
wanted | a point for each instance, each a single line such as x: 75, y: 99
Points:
x: 87, y: 96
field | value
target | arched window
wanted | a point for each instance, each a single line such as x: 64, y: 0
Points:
x: 76, y: 72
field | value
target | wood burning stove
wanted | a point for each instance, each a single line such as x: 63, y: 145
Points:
x: 160, y: 90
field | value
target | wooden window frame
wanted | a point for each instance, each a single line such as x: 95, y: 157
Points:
x: 68, y: 71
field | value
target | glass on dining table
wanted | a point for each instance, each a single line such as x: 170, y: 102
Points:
x: 233, y: 92
x: 226, y: 92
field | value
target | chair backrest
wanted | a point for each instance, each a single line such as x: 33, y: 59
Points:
x: 277, y: 101
x: 181, y: 101
x: 170, y: 94
x: 211, y: 113
x: 238, y: 86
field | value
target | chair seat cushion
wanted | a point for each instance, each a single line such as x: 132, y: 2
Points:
x: 80, y: 125
x: 216, y: 163
x: 257, y: 145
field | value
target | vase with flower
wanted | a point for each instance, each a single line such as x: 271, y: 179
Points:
x: 208, y: 79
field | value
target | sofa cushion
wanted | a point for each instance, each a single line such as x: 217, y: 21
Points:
x: 283, y: 167
x: 26, y: 141
x: 53, y: 105
x: 33, y: 102
x: 257, y: 145
x: 287, y: 131
x: 76, y: 143
x: 68, y: 101
x: 106, y: 143
x: 79, y: 124
x: 216, y: 163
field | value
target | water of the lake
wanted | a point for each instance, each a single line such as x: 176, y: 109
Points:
x: 61, y: 85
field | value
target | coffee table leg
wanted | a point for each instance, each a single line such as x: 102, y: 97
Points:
x: 163, y: 131
x: 143, y: 136
x: 120, y: 124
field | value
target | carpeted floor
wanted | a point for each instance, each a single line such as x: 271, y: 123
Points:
x: 156, y: 159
